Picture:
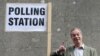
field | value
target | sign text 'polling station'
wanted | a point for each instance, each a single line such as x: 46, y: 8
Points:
x: 26, y: 17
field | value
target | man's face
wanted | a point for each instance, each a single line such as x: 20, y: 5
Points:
x: 76, y: 36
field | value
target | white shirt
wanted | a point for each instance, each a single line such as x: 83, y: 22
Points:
x: 78, y: 52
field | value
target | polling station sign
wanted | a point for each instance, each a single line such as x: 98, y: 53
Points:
x: 26, y: 17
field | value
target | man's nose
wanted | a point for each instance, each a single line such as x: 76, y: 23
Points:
x: 76, y: 36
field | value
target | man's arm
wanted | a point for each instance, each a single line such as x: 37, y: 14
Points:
x: 56, y: 54
x: 60, y: 51
x: 95, y: 52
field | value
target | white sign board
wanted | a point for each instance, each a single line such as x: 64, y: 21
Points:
x: 26, y: 17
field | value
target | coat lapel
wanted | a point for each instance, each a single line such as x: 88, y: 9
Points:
x: 85, y: 53
x: 72, y: 51
x: 72, y: 54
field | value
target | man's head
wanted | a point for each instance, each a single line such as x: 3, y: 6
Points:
x: 76, y: 36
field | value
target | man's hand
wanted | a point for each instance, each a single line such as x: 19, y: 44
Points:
x: 62, y: 48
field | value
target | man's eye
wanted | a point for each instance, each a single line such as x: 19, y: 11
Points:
x: 73, y: 35
x: 77, y: 34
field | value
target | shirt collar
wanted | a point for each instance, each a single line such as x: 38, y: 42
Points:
x: 81, y: 47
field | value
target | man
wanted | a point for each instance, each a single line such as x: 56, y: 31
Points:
x: 78, y: 49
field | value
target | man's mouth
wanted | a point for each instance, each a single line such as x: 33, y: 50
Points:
x: 76, y: 39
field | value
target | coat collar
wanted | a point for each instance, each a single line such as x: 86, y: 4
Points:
x: 84, y: 53
x: 81, y: 47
